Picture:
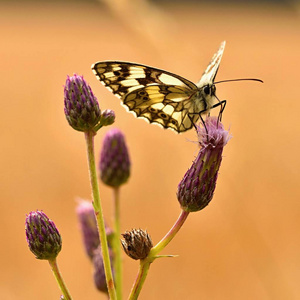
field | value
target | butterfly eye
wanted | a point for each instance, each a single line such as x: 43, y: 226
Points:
x: 207, y: 90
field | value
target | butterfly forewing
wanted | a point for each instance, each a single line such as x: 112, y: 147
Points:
x: 156, y: 95
x: 210, y: 73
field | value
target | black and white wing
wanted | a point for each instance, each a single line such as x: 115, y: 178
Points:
x: 153, y: 94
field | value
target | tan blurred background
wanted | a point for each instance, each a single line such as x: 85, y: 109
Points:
x: 245, y: 244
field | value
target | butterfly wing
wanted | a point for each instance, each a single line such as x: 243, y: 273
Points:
x: 170, y: 106
x: 153, y: 94
x: 210, y: 73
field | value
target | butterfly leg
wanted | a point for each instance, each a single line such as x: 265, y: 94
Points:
x: 222, y: 104
x: 192, y: 121
x: 203, y: 122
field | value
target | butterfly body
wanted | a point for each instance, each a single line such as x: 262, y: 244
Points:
x: 160, y: 96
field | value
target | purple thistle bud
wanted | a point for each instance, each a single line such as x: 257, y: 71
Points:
x: 81, y: 106
x: 99, y: 273
x: 88, y: 225
x: 114, y: 161
x: 42, y: 236
x: 197, y: 187
x: 107, y: 117
x: 137, y: 243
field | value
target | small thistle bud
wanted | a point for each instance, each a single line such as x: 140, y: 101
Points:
x: 107, y: 117
x: 99, y: 273
x: 88, y: 225
x: 114, y: 159
x: 81, y: 106
x: 42, y: 236
x: 137, y: 243
x: 196, y: 188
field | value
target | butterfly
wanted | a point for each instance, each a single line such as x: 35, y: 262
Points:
x: 159, y: 96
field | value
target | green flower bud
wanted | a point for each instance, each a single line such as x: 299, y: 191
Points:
x: 42, y: 236
x: 107, y: 117
x: 81, y: 106
x: 114, y: 161
x: 197, y: 187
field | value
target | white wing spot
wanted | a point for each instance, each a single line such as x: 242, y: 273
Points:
x: 169, y: 80
x: 109, y: 74
x: 130, y: 82
x: 158, y: 106
x: 133, y: 88
x: 177, y: 116
x: 168, y: 109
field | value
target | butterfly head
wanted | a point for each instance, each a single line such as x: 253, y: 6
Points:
x: 209, y: 90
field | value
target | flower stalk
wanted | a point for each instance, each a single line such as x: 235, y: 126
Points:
x: 153, y: 254
x: 59, y: 279
x: 195, y: 190
x: 117, y: 244
x: 89, y: 136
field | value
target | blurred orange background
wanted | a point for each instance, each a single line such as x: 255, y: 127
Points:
x: 245, y: 244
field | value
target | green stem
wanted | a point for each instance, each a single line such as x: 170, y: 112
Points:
x: 145, y: 264
x: 117, y: 244
x: 59, y: 279
x: 89, y: 136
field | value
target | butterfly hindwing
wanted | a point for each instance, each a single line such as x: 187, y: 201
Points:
x: 156, y: 95
x: 166, y: 105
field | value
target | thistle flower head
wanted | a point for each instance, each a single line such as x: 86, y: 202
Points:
x: 42, y: 236
x: 88, y: 225
x: 107, y: 117
x: 137, y: 243
x: 114, y: 159
x: 99, y: 273
x: 196, y: 188
x: 81, y: 106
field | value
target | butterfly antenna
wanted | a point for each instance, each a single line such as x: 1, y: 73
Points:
x: 240, y: 79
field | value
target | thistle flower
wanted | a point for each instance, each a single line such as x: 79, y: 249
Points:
x: 114, y: 159
x: 107, y: 117
x: 42, y: 236
x: 137, y: 243
x: 196, y: 188
x: 88, y: 225
x: 99, y: 273
x: 81, y: 106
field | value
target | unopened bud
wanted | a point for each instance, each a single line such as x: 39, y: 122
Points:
x: 137, y: 243
x: 197, y: 187
x: 42, y: 236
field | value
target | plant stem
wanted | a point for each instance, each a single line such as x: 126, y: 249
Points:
x: 89, y: 136
x: 59, y: 279
x: 117, y: 244
x: 145, y: 263
x: 141, y: 277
